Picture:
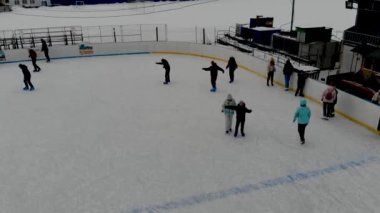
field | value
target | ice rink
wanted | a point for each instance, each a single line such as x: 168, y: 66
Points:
x: 104, y: 135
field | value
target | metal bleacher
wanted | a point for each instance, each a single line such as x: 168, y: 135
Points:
x: 31, y: 38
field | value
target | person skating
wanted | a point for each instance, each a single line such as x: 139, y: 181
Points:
x: 33, y: 56
x: 332, y: 112
x: 241, y: 110
x: 328, y: 98
x: 27, y: 76
x: 288, y: 70
x: 214, y: 68
x: 166, y: 66
x: 232, y: 66
x: 228, y: 113
x: 302, y: 116
x: 45, y: 49
x: 301, y: 80
x: 271, y: 70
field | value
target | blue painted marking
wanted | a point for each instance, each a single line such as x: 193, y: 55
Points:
x: 82, y: 56
x: 249, y: 188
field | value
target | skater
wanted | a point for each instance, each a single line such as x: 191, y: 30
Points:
x: 228, y: 113
x: 376, y: 98
x: 332, y: 113
x: 232, y: 65
x: 328, y: 97
x: 166, y: 66
x: 33, y: 56
x: 302, y: 115
x: 214, y: 74
x: 27, y: 76
x: 45, y: 49
x: 302, y: 76
x: 288, y: 70
x: 271, y: 70
x: 240, y: 116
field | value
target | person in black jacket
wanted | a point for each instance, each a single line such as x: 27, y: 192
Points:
x: 240, y: 116
x: 166, y: 66
x: 45, y: 49
x: 232, y: 65
x: 302, y: 76
x: 214, y: 74
x: 27, y: 76
x: 288, y: 70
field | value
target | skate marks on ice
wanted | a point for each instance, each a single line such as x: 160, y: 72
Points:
x: 292, y: 178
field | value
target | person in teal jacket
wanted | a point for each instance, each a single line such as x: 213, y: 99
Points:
x: 302, y: 115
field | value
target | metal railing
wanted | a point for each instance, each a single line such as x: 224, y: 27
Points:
x: 360, y: 38
x: 73, y: 35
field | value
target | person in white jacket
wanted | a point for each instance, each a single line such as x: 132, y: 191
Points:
x: 328, y: 97
x: 228, y: 113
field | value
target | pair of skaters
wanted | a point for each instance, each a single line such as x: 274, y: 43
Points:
x: 302, y: 116
x: 213, y: 69
x: 33, y: 55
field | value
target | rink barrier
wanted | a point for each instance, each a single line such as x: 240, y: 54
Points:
x: 354, y: 109
x: 250, y: 188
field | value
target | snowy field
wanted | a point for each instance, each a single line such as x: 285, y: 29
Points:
x: 104, y: 134
x: 219, y: 14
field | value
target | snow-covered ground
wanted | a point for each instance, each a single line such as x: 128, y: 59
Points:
x: 105, y: 135
x: 184, y: 15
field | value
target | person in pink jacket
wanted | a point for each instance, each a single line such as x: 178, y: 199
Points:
x: 328, y: 98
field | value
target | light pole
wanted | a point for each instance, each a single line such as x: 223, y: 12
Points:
x: 291, y: 22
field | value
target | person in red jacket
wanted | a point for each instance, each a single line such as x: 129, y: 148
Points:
x: 33, y: 56
x: 328, y: 97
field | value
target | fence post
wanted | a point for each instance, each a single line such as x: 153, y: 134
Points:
x: 196, y: 35
x: 166, y: 32
x: 156, y: 33
x: 49, y: 38
x: 66, y: 41
x: 22, y: 45
x: 114, y: 34
x: 33, y: 44
x: 121, y: 33
x: 71, y: 37
x: 204, y: 36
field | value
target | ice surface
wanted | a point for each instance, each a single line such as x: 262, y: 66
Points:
x: 104, y: 134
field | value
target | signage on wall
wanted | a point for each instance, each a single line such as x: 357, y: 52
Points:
x: 86, y: 49
x: 2, y: 55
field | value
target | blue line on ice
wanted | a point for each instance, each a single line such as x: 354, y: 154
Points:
x: 249, y: 188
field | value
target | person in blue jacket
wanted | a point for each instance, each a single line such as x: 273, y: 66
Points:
x: 302, y: 115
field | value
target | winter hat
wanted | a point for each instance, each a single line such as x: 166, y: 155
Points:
x: 229, y: 97
x: 303, y: 102
x: 241, y: 103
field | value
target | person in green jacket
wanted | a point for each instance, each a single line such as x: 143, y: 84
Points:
x: 302, y: 115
